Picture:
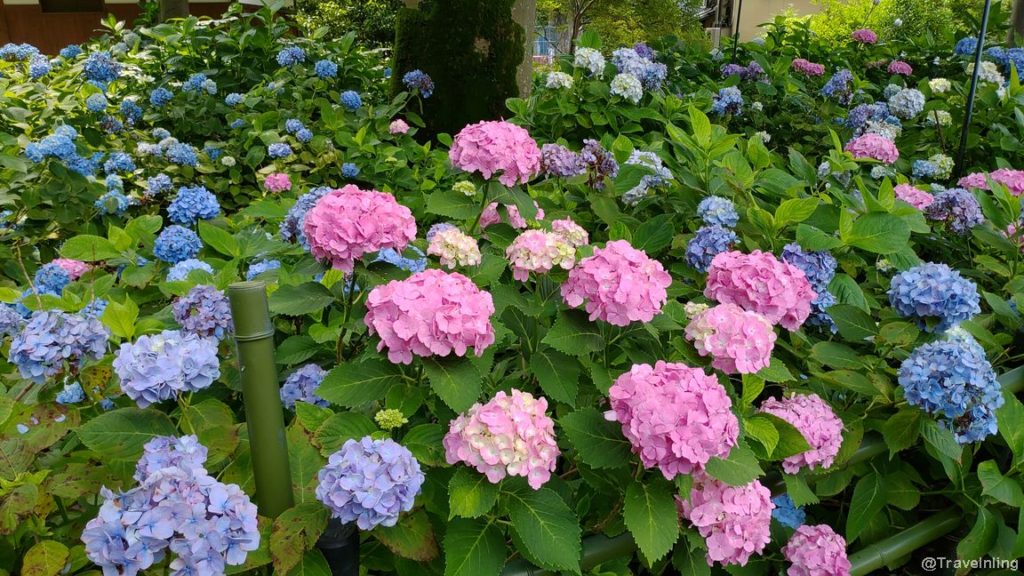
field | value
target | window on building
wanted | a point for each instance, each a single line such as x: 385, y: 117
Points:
x: 71, y: 5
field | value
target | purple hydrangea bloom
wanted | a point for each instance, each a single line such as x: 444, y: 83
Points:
x: 644, y: 50
x: 557, y: 160
x: 935, y: 296
x: 707, y: 243
x: 157, y: 367
x: 52, y: 338
x: 176, y: 243
x: 716, y: 210
x: 292, y: 226
x: 820, y: 268
x: 204, y: 311
x: 370, y: 482
x: 301, y: 385
x: 180, y: 271
x: 185, y: 453
x: 958, y: 208
x: 600, y: 164
x: 192, y: 204
x: 435, y: 229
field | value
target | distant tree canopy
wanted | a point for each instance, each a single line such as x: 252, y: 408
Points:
x: 372, y: 20
x: 838, y: 18
x: 619, y: 23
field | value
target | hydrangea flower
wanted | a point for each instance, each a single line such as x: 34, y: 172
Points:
x: 157, y: 184
x: 619, y: 284
x: 193, y: 204
x: 1012, y: 179
x: 325, y: 69
x: 277, y: 182
x: 914, y: 196
x: 119, y: 162
x: 641, y: 66
x: 601, y: 164
x: 292, y: 226
x: 96, y: 102
x: 51, y: 339
x: 735, y: 521
x: 728, y: 101
x: 966, y: 46
x: 350, y: 100
x: 676, y: 417
x: 489, y: 147
x: 935, y: 296
x: 864, y: 36
x: 718, y: 210
x: 838, y: 87
x: 279, y: 150
x: 808, y: 68
x: 907, y: 103
x: 539, y: 251
x: 302, y: 385
x: 258, y: 268
x: 51, y: 279
x: 708, y: 242
x: 590, y: 60
x: 818, y: 424
x: 131, y: 112
x: 17, y: 52
x: 198, y: 82
x: 820, y: 268
x: 100, y: 69
x: 11, y: 322
x: 158, y: 367
x: 204, y: 311
x: 466, y: 188
x: 70, y: 51
x: 570, y: 231
x: 181, y: 154
x: 176, y: 243
x: 349, y: 170
x: 337, y: 231
x: 184, y: 453
x: 761, y: 283
x: 419, y: 80
x: 304, y: 135
x: 627, y: 87
x: 74, y: 268
x: 661, y: 175
x: 370, y: 482
x: 989, y: 73
x: 454, y: 248
x: 233, y: 99
x: 816, y: 550
x: 738, y: 341
x: 430, y: 313
x: 416, y: 264
x: 557, y: 160
x: 71, y: 394
x: 558, y: 80
x: 787, y: 513
x: 900, y: 68
x: 511, y: 435
x: 958, y: 208
x: 113, y: 202
x: 750, y: 72
x: 181, y: 270
x: 398, y: 126
x: 290, y: 56
x: 873, y: 147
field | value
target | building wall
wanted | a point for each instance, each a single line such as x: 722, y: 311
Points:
x: 757, y: 12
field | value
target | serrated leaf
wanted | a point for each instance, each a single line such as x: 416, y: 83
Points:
x: 1010, y: 417
x: 557, y: 373
x: 412, y: 537
x: 294, y: 532
x: 120, y: 317
x: 473, y: 548
x: 763, y: 431
x: 352, y: 385
x: 219, y: 239
x: 45, y: 558
x: 89, y: 248
x: 548, y: 528
x: 795, y: 210
x: 836, y: 355
x: 470, y: 494
x: 452, y: 204
x: 1002, y: 488
x: 752, y: 387
x: 296, y: 350
x: 799, y: 492
x: 650, y: 514
x: 902, y: 430
x: 869, y: 498
x: 739, y: 468
x: 304, y: 461
x: 599, y: 443
x: 312, y: 563
x: 300, y: 300
x: 811, y: 238
x: 120, y: 434
x: 654, y: 235
x: 941, y: 439
x: 853, y: 323
x: 879, y: 233
x: 424, y: 441
x: 574, y: 335
x: 455, y: 380
x: 341, y: 427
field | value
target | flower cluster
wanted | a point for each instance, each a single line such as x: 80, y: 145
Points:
x: 279, y: 150
x: 192, y: 204
x: 558, y: 80
x: 177, y: 243
x: 787, y: 513
x: 818, y: 424
x: 619, y: 284
x: 935, y: 296
x: 718, y: 210
x: 820, y: 268
x: 660, y: 176
x: 511, y: 435
x: 347, y: 223
x: 570, y: 231
x: 301, y: 386
x: 729, y: 100
x: 958, y: 208
x: 808, y: 68
x: 900, y: 68
x: 454, y: 248
x: 676, y: 417
x: 52, y: 339
x: 557, y: 160
x: 490, y: 216
x: 735, y: 521
x: 292, y: 225
x: 838, y: 87
x: 489, y: 147
x: 398, y: 126
x: 738, y: 341
x: 181, y: 270
x: 759, y: 282
x: 907, y: 103
x: 204, y: 311
x: 914, y: 196
x: 816, y: 550
x: 864, y: 36
x: 100, y: 68
x: 627, y: 87
x: 51, y: 279
x: 351, y: 100
x: 873, y: 147
x: 601, y: 164
x: 419, y: 80
x: 290, y: 56
x: 263, y: 266
x: 1012, y: 179
x: 539, y: 251
x: 966, y: 46
x: 708, y: 242
x: 277, y: 182
x: 430, y: 313
x: 396, y: 259
x: 640, y: 65
x: 157, y: 367
x: 590, y: 60
x: 184, y: 453
x: 748, y: 73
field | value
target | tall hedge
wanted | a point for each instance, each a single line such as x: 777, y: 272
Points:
x: 470, y: 48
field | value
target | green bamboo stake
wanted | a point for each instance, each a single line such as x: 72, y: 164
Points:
x: 254, y: 335
x: 894, y: 548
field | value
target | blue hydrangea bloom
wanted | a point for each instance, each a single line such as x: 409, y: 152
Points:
x: 291, y: 228
x: 370, y: 482
x: 966, y: 46
x: 182, y: 154
x: 350, y: 99
x: 51, y: 279
x: 38, y: 67
x: 96, y: 102
x: 60, y: 145
x: 180, y: 271
x: 838, y: 87
x: 195, y: 83
x: 192, y: 204
x: 177, y: 243
x: 119, y: 162
x: 160, y: 96
x: 204, y: 311
x: 728, y: 101
x: 184, y: 453
x: 661, y: 175
x: 952, y: 378
x: 395, y: 258
x: 233, y: 99
x: 212, y: 152
x: 279, y: 150
x: 113, y: 202
x: 293, y: 125
x: 52, y: 338
x: 787, y: 513
x: 260, y: 267
x: 95, y: 308
x: 236, y: 124
x: 70, y: 51
x: 418, y: 80
x: 157, y: 184
x: 17, y: 52
x: 349, y: 170
x: 160, y: 133
x: 71, y: 394
x: 304, y: 135
x: 325, y: 69
x: 438, y: 228
x: 100, y: 68
x: 301, y: 386
x: 820, y: 269
x: 861, y: 114
x: 935, y: 296
x: 106, y: 404
x: 158, y: 367
x: 718, y: 210
x: 707, y: 243
x: 923, y: 169
x: 11, y: 321
x: 291, y: 55
x: 958, y: 208
x: 130, y: 111
x: 110, y: 124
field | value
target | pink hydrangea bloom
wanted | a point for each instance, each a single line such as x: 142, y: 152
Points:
x: 761, y: 283
x: 277, y: 182
x: 347, y: 223
x: 430, y: 313
x: 865, y: 36
x: 1013, y: 233
x: 399, y: 126
x: 510, y: 435
x: 875, y: 147
x: 735, y: 521
x: 74, y: 268
x: 914, y: 196
x: 816, y: 551
x: 974, y: 180
x: 538, y: 251
x: 900, y: 68
x: 572, y: 232
x: 489, y: 147
x: 676, y: 417
x: 808, y: 68
x: 1012, y: 179
x: 454, y: 248
x: 619, y: 283
x: 820, y: 426
x: 740, y: 342
x: 490, y: 216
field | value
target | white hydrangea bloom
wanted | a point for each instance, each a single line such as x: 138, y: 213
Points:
x: 591, y: 60
x: 628, y: 87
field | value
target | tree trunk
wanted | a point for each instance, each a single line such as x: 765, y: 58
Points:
x: 1016, y: 23
x: 173, y: 9
x: 524, y: 12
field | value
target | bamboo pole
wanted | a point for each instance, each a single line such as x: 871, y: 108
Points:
x: 895, y: 547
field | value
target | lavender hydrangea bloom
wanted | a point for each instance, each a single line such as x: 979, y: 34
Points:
x: 716, y: 210
x: 838, y: 87
x: 557, y: 160
x: 279, y: 150
x: 157, y: 367
x: 958, y: 208
x: 787, y: 513
x: 935, y: 296
x: 601, y: 165
x: 304, y: 135
x: 820, y: 269
x: 301, y: 385
x: 729, y: 100
x: 192, y: 204
x: 370, y: 482
x: 180, y: 271
x: 907, y: 103
x: 157, y: 184
x: 176, y: 243
x: 184, y: 453
x: 204, y: 311
x: 260, y: 267
x: 51, y: 279
x: 292, y: 226
x: 707, y: 243
x: 52, y: 338
x: 11, y: 322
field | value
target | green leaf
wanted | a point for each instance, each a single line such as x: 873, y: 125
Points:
x: 1010, y: 417
x: 879, y: 233
x: 1002, y: 488
x: 353, y: 385
x: 301, y: 299
x: 121, y: 317
x: 455, y: 380
x: 853, y: 323
x: 312, y: 563
x: 850, y: 380
x: 219, y: 239
x: 776, y: 371
x: 296, y: 350
x: 424, y: 441
x: 902, y: 430
x: 412, y: 537
x: 339, y: 428
x: 836, y: 355
x: 762, y: 430
x: 557, y: 373
x: 811, y: 238
x: 599, y: 443
x: 791, y: 441
x: 901, y: 491
x: 752, y: 388
x: 304, y: 462
x: 470, y: 494
x: 650, y: 514
x: 548, y: 528
x: 294, y: 532
x: 654, y: 235
x: 868, y: 499
x: 690, y: 560
x: 795, y: 210
x: 981, y: 538
x: 120, y: 434
x: 473, y: 548
x: 452, y: 204
x: 739, y: 468
x: 573, y: 334
x: 89, y: 248
x: 701, y: 126
x: 941, y: 439
x: 799, y: 492
x: 45, y: 558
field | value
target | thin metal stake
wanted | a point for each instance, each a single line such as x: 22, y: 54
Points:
x: 969, y: 113
x: 736, y: 33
